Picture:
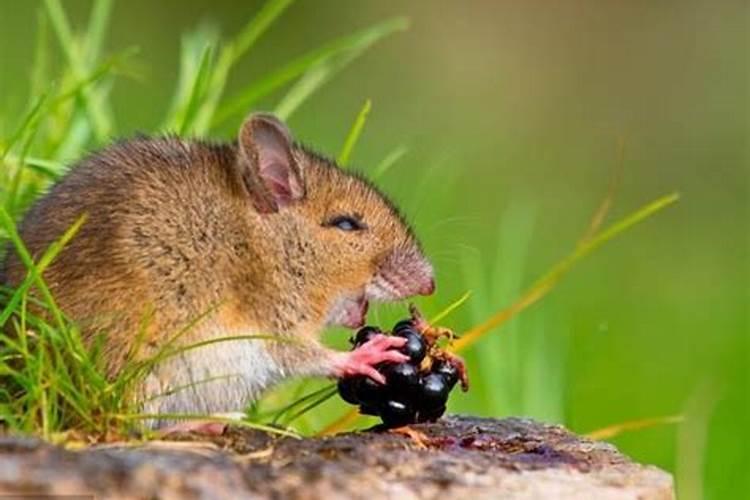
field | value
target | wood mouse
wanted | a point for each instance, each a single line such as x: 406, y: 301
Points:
x: 260, y: 236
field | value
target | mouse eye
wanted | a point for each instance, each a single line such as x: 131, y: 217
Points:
x: 346, y: 223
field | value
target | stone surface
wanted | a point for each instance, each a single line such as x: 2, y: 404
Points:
x: 484, y: 458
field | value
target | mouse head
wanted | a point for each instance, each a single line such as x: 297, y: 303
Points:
x: 344, y: 243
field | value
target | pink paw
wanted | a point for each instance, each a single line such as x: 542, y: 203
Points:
x: 362, y: 361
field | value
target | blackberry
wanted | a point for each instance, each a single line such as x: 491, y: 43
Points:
x: 430, y: 415
x: 369, y: 410
x: 415, y: 346
x: 448, y: 371
x: 367, y: 391
x: 396, y: 413
x: 433, y: 391
x: 348, y: 390
x: 402, y: 379
x: 364, y: 335
x: 407, y: 396
x: 404, y: 324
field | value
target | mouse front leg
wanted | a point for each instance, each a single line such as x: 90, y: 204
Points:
x: 314, y: 359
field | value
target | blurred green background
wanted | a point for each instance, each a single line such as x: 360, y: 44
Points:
x: 511, y: 114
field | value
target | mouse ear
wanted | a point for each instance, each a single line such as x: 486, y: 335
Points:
x: 267, y: 165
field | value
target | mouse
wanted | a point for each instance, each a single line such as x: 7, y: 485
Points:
x: 249, y: 248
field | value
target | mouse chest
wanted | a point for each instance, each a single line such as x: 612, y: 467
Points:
x: 223, y: 376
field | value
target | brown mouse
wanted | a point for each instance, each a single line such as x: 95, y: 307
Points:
x: 261, y: 236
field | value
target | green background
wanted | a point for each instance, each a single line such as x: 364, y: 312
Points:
x: 512, y: 114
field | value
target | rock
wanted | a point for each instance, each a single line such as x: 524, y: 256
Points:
x: 457, y: 456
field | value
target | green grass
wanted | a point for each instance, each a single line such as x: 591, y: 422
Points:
x: 55, y: 382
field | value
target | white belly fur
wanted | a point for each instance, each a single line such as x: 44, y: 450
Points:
x: 217, y: 378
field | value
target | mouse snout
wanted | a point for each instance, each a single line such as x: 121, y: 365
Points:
x: 428, y: 287
x: 401, y: 275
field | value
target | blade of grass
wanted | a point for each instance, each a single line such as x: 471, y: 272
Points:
x: 354, y: 133
x: 100, y: 15
x: 191, y: 48
x: 314, y: 79
x: 47, y: 168
x: 200, y: 84
x: 306, y: 86
x: 191, y: 385
x: 332, y: 391
x: 40, y: 70
x: 344, y: 422
x: 106, y: 68
x: 450, y: 308
x: 542, y: 286
x: 231, y: 53
x: 35, y: 270
x: 250, y: 34
x: 25, y: 135
x: 633, y: 425
x: 100, y: 123
x: 391, y: 159
x: 28, y: 122
x: 285, y: 74
x: 287, y: 408
x: 614, y: 183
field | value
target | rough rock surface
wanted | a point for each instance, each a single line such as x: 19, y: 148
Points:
x: 484, y: 458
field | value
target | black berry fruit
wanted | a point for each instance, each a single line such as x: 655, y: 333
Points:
x: 448, y: 371
x: 348, y: 390
x: 431, y: 414
x: 367, y: 391
x: 434, y: 391
x: 369, y: 410
x: 365, y: 334
x: 414, y: 391
x: 396, y: 414
x: 415, y: 346
x: 404, y: 324
x: 402, y: 379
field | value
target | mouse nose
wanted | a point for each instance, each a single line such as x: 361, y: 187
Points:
x: 428, y: 287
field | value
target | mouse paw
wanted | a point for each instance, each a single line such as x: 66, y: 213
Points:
x: 362, y: 361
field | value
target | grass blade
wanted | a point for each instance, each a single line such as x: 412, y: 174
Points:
x: 40, y: 69
x: 250, y: 34
x: 331, y: 391
x: 542, y: 286
x: 391, y: 159
x: 633, y: 425
x: 302, y: 400
x: 450, y: 308
x: 35, y: 271
x: 100, y: 15
x: 192, y: 50
x: 281, y: 76
x: 100, y: 122
x: 311, y: 81
x: 238, y: 47
x: 353, y: 136
x: 28, y: 123
x: 197, y: 91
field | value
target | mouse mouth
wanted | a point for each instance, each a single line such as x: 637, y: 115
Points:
x: 349, y: 312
